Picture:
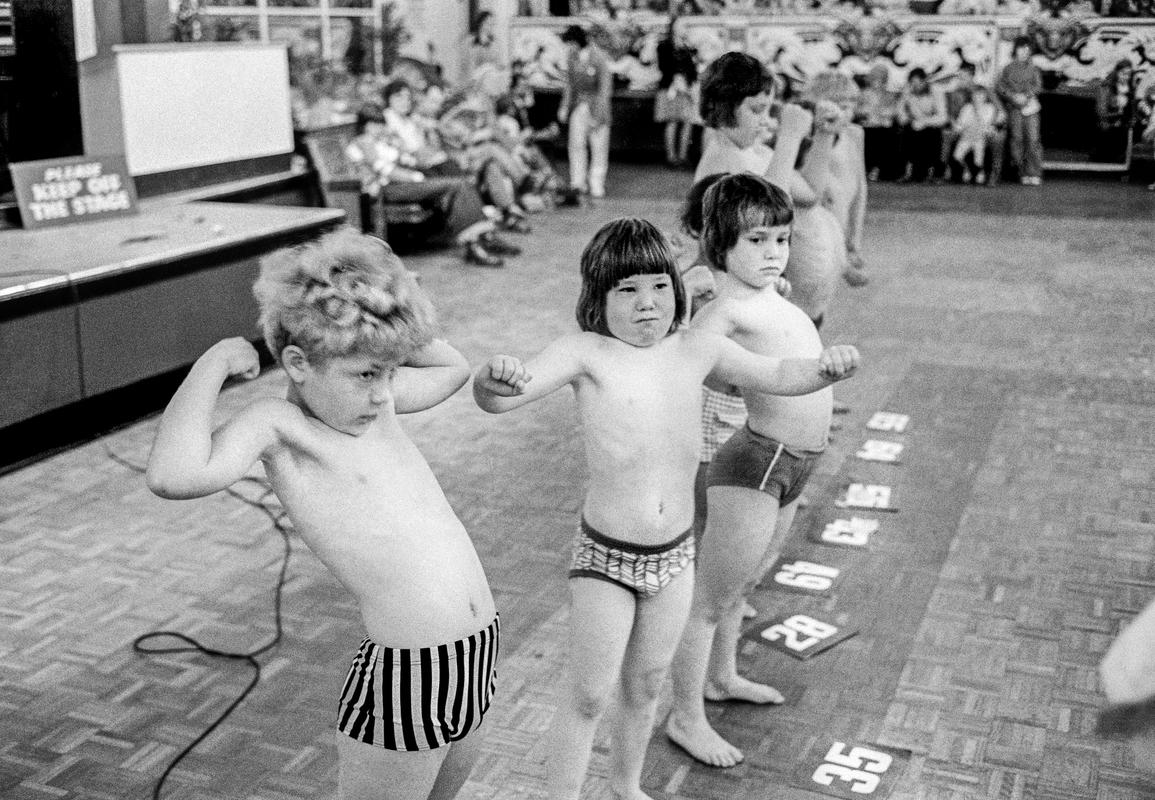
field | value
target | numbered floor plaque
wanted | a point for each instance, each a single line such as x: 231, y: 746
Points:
x: 851, y: 770
x: 888, y: 421
x: 867, y: 495
x: 854, y: 532
x: 880, y: 450
x: 802, y: 636
x: 794, y: 574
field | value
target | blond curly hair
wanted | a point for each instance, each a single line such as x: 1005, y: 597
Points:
x: 342, y: 294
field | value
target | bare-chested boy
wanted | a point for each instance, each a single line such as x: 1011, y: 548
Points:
x: 757, y: 475
x: 355, y: 335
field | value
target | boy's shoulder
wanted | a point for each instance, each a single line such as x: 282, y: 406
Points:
x: 274, y: 413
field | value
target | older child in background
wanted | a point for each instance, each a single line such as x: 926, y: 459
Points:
x: 636, y: 375
x: 354, y: 333
x: 845, y: 194
x: 759, y: 473
x: 737, y: 97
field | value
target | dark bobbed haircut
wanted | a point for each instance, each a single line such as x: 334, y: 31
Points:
x: 1022, y: 41
x: 729, y: 80
x: 576, y: 34
x: 734, y: 205
x: 917, y: 72
x: 691, y: 216
x: 395, y: 86
x: 619, y: 250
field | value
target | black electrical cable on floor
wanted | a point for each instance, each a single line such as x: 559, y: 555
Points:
x: 191, y: 645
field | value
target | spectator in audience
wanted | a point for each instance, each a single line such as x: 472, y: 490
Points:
x: 469, y: 131
x: 586, y: 106
x: 542, y: 181
x: 676, y: 103
x: 996, y: 140
x: 922, y: 114
x: 877, y: 111
x: 1114, y: 109
x: 1018, y: 87
x: 974, y: 129
x: 391, y: 172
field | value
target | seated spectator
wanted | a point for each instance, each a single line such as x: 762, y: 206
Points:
x: 876, y: 112
x: 996, y: 140
x: 922, y: 114
x: 975, y: 127
x: 469, y: 131
x: 395, y: 174
x: 520, y: 141
x: 1114, y: 108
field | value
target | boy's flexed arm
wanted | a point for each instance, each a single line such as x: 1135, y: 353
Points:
x: 504, y: 383
x: 784, y: 376
x: 188, y: 458
x: 432, y: 374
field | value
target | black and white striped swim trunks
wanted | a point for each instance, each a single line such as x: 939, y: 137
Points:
x: 419, y: 699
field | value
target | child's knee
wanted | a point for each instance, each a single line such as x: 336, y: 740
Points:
x: 641, y: 688
x: 590, y: 702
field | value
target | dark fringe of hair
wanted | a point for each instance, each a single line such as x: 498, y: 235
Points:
x: 736, y: 204
x: 691, y: 216
x: 621, y: 249
x: 729, y: 80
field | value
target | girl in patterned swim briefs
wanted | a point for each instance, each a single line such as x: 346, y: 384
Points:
x: 636, y: 374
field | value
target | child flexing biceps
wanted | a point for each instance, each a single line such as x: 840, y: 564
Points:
x: 757, y: 475
x: 637, y: 376
x: 355, y: 335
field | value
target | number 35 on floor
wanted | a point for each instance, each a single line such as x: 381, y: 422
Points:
x: 856, y: 771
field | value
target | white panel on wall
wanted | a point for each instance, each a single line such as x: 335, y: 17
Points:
x: 192, y: 105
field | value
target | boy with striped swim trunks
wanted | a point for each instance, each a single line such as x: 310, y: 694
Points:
x: 354, y: 333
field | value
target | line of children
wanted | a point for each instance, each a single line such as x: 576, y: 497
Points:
x: 636, y: 374
x: 355, y: 335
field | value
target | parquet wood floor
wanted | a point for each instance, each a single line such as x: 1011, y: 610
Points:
x: 1020, y: 345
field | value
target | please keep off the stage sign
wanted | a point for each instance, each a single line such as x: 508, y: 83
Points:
x: 60, y: 191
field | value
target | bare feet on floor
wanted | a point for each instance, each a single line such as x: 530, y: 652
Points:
x: 702, y: 742
x: 738, y: 688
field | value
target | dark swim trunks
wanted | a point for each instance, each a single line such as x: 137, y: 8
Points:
x: 758, y: 462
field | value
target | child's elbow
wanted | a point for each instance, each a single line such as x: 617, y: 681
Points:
x: 167, y: 484
x: 161, y: 484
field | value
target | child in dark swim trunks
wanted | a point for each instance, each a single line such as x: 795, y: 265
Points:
x: 757, y: 475
x: 354, y: 333
x: 636, y: 374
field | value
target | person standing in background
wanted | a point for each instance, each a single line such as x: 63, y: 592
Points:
x: 586, y: 107
x: 1018, y: 87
